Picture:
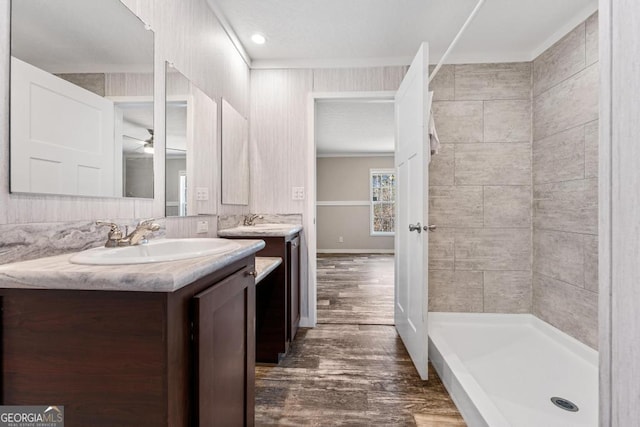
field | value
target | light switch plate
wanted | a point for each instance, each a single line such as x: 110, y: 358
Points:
x: 202, y: 194
x: 297, y: 193
x: 202, y: 227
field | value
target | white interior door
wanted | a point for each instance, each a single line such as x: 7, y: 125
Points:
x: 61, y: 135
x: 412, y: 106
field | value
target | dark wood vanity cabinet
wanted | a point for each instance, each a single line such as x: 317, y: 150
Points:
x: 122, y: 358
x: 224, y: 339
x: 278, y: 299
x: 293, y: 286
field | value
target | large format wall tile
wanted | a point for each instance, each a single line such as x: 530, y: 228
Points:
x: 507, y: 121
x: 441, y: 249
x: 592, y: 38
x: 493, y: 81
x: 571, y: 103
x: 456, y: 291
x: 559, y: 157
x: 493, y: 249
x: 443, y: 84
x: 559, y: 255
x: 562, y: 60
x: 493, y: 164
x: 507, y: 206
x: 565, y: 192
x: 507, y: 291
x: 569, y: 308
x: 591, y: 263
x: 441, y: 166
x: 570, y: 206
x: 591, y: 143
x: 451, y: 206
x: 458, y: 121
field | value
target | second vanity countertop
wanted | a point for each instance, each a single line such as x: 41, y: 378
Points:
x: 273, y: 230
x: 58, y: 273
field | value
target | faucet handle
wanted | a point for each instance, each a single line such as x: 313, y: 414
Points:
x: 149, y: 224
x: 114, y: 227
x: 147, y: 221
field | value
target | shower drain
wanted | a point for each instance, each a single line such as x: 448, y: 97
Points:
x: 565, y: 404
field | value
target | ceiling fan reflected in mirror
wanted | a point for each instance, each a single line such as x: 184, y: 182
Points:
x: 146, y: 144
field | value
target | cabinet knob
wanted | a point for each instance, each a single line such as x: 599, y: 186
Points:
x: 252, y: 273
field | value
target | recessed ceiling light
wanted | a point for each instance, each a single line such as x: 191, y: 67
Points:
x: 258, y: 38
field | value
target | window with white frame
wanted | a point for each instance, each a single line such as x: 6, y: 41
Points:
x: 382, y: 183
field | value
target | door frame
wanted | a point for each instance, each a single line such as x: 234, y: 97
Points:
x: 309, y: 293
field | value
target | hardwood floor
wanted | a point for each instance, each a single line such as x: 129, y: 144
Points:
x: 355, y: 289
x: 352, y: 372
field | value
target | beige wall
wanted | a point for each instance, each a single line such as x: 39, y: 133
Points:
x: 565, y: 178
x: 347, y: 179
x: 480, y: 190
x: 188, y: 34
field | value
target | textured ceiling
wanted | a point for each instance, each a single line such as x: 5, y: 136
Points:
x: 352, y: 127
x: 389, y: 32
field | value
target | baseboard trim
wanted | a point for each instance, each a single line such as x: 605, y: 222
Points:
x: 355, y: 251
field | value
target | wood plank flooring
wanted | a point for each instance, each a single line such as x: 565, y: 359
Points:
x: 350, y: 372
x: 355, y: 289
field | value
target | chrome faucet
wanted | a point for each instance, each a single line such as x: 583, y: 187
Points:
x: 251, y: 218
x: 136, y: 237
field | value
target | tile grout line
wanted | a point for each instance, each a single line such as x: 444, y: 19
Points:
x: 566, y: 283
x: 531, y: 210
x: 584, y: 124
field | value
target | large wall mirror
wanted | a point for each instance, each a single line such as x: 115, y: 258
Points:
x: 191, y: 154
x: 235, y: 156
x: 81, y: 99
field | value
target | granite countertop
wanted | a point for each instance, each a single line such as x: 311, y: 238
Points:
x: 258, y: 230
x: 265, y: 265
x: 58, y: 273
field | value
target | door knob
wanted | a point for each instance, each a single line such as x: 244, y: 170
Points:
x: 431, y: 227
x: 416, y: 227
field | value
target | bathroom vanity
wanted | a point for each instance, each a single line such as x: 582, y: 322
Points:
x: 278, y: 297
x: 161, y: 344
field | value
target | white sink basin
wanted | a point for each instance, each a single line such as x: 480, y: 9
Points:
x: 267, y: 226
x: 155, y: 251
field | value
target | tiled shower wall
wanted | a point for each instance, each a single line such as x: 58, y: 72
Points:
x: 565, y: 183
x: 480, y: 190
x: 514, y: 190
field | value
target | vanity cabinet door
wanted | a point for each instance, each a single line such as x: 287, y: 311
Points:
x: 293, y: 281
x: 224, y: 338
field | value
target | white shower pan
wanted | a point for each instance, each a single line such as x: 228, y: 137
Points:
x: 503, y: 369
